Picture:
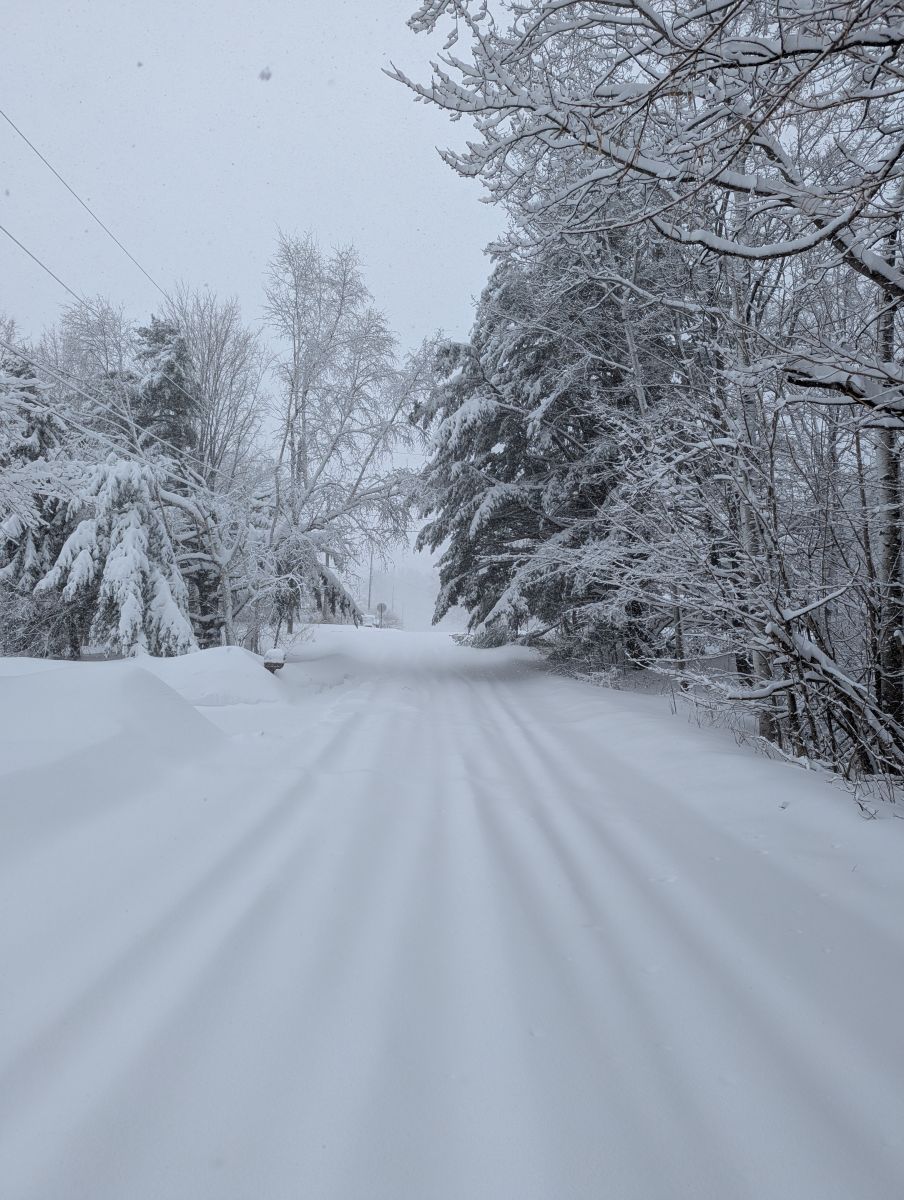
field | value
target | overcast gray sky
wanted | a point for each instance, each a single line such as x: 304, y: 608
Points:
x: 155, y: 112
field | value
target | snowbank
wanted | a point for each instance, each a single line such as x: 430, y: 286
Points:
x: 80, y: 740
x: 142, y: 712
x: 218, y: 677
x: 97, y: 708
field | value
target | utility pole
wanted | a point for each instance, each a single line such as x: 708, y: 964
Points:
x: 370, y: 578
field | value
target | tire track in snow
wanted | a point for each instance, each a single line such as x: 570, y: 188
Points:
x: 655, y: 850
x: 736, y: 1000
x: 446, y: 1105
x: 158, y: 959
x: 597, y: 1069
x: 303, y: 1076
x: 445, y: 961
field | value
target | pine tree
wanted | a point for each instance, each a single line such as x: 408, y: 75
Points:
x: 121, y: 555
x: 165, y: 406
x: 528, y: 420
x: 35, y: 477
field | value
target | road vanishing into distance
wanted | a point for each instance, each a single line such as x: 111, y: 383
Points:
x: 419, y: 922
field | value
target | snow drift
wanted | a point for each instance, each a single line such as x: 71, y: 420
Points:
x: 218, y: 677
x: 95, y: 710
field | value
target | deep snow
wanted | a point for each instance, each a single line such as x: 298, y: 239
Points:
x: 415, y: 921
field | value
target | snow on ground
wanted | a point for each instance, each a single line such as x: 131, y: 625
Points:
x: 416, y: 921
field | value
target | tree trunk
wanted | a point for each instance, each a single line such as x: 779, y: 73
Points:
x: 680, y: 652
x: 888, y: 464
x: 228, y: 616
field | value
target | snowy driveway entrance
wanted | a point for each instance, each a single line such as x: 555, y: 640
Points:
x: 413, y: 922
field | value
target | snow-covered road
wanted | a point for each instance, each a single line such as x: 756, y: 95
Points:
x: 432, y: 924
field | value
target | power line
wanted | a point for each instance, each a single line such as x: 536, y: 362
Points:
x: 67, y: 380
x: 84, y: 205
x: 94, y: 216
x: 43, y: 266
x: 86, y: 303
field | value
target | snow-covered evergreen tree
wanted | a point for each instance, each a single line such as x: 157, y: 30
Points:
x: 165, y: 405
x: 36, y: 477
x: 120, y: 554
x: 526, y: 422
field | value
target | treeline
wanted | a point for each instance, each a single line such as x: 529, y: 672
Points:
x: 193, y: 481
x: 673, y: 438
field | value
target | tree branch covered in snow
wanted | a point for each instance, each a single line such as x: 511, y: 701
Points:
x: 673, y: 438
x: 184, y: 482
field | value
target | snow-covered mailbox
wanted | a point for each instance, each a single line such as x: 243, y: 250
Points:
x: 275, y: 660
